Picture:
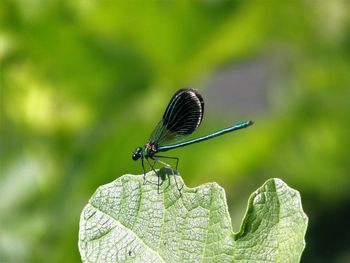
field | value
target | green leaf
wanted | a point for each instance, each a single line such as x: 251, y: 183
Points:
x: 127, y: 220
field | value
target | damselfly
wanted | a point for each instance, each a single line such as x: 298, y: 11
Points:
x: 181, y: 118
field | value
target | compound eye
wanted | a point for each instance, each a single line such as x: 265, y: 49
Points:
x: 137, y: 154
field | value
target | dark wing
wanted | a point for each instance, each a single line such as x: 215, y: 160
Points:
x: 181, y: 118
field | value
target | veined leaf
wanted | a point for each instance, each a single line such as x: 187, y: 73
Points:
x: 129, y: 221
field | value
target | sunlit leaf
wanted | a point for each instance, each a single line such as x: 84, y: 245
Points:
x: 127, y: 220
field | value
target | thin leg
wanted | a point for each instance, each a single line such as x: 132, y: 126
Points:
x: 169, y: 166
x: 144, y: 171
x: 166, y: 165
x: 169, y: 157
x: 151, y: 166
x: 158, y: 176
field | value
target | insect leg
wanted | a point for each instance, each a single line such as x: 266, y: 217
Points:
x: 169, y: 157
x: 144, y: 171
x: 169, y: 166
x: 152, y: 168
x: 156, y: 160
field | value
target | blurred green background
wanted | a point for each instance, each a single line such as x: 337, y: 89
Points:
x: 84, y: 82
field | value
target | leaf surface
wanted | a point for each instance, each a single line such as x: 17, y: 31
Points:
x: 129, y: 221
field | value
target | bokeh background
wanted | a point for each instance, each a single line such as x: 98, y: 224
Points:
x: 84, y: 82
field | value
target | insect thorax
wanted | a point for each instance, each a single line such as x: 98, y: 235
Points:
x: 149, y: 149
